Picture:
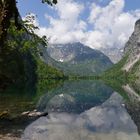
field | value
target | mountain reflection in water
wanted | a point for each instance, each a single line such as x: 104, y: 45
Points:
x: 108, y: 121
x: 75, y: 97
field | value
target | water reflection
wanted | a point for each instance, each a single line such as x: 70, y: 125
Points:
x: 108, y: 121
x: 133, y: 106
x: 85, y: 111
x: 75, y: 96
x: 14, y: 102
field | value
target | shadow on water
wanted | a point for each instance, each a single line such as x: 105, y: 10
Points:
x: 15, y: 101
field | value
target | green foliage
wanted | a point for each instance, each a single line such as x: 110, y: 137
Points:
x: 134, y: 77
x: 2, y: 15
x: 116, y: 85
x: 116, y: 77
x: 81, y: 69
x: 29, y: 24
x: 50, y: 2
x: 134, y: 73
x: 20, y: 62
x: 116, y: 72
x: 22, y: 39
x: 18, y: 49
x: 47, y: 75
x: 47, y: 72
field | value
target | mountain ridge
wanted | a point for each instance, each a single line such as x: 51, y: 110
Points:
x: 128, y: 68
x: 77, y: 59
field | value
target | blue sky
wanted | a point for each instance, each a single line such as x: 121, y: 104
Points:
x: 96, y: 23
x: 35, y: 6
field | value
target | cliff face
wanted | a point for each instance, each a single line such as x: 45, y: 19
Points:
x: 115, y: 54
x: 132, y: 53
x: 130, y: 62
x: 134, y: 40
x: 132, y: 48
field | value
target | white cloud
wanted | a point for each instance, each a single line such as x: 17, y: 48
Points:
x: 102, y: 122
x: 95, y: 12
x: 68, y: 27
x: 114, y: 24
x: 111, y: 26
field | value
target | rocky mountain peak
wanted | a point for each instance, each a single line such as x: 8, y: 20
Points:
x: 78, y: 59
x: 137, y: 24
x: 132, y: 48
x: 134, y: 41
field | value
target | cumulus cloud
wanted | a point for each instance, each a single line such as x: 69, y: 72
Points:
x: 114, y: 25
x: 109, y: 25
x: 110, y: 121
x: 68, y: 27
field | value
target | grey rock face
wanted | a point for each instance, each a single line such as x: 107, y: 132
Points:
x: 74, y: 53
x: 78, y: 59
x: 132, y: 48
x: 134, y: 41
x: 115, y: 54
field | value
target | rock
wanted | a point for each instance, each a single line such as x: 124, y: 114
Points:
x: 25, y: 113
x: 77, y: 59
x: 34, y: 113
x: 132, y: 48
x: 4, y: 114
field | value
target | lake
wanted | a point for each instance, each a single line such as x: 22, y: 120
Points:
x: 77, y: 110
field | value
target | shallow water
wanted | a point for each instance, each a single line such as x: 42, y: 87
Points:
x: 78, y: 110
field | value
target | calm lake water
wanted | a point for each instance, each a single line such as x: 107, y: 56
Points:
x: 78, y: 110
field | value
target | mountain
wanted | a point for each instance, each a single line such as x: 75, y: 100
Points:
x: 132, y: 48
x: 77, y: 59
x: 132, y: 51
x: 130, y: 63
x: 115, y: 54
x: 72, y: 96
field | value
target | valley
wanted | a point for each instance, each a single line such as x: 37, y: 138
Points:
x: 71, y: 73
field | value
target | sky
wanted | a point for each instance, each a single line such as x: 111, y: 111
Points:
x: 96, y: 23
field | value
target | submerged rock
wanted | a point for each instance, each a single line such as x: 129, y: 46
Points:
x: 34, y: 113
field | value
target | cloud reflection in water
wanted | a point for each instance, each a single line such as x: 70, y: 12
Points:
x: 110, y: 121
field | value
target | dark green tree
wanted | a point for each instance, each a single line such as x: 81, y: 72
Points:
x: 9, y: 10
